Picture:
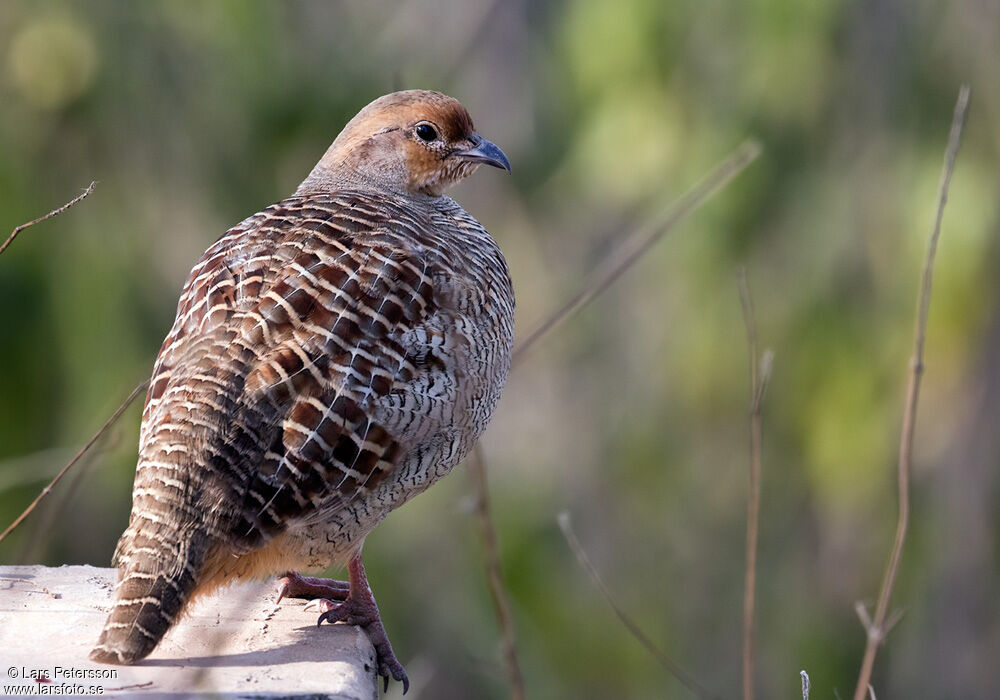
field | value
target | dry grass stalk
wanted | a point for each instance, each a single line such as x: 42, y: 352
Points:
x: 760, y: 374
x: 45, y: 491
x: 47, y: 518
x: 665, y: 661
x: 494, y: 575
x: 638, y: 243
x: 55, y: 212
x: 629, y: 252
x: 877, y: 630
x: 69, y: 465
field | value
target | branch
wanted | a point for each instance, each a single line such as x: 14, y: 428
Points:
x: 111, y: 421
x: 876, y: 631
x: 54, y: 212
x: 665, y: 661
x: 642, y: 239
x: 760, y: 373
x: 494, y: 573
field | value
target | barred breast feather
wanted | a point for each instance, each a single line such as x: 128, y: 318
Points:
x: 332, y: 356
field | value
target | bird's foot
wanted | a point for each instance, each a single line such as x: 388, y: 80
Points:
x: 350, y: 602
x: 364, y: 613
x: 294, y: 585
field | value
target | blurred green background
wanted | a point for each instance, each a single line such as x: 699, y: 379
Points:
x: 633, y: 416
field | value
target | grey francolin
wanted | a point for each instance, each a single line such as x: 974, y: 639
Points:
x: 332, y: 357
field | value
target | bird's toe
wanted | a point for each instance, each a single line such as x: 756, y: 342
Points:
x: 294, y: 585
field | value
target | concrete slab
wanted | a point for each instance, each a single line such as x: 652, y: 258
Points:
x: 236, y: 643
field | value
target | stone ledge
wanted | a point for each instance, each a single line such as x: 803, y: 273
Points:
x: 235, y: 643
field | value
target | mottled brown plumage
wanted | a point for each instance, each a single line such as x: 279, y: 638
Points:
x: 332, y: 357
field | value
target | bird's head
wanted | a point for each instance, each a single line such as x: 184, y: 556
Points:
x: 415, y: 141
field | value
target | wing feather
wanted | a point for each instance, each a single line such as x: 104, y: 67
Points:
x: 325, y: 310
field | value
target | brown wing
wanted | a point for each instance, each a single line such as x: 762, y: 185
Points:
x: 299, y: 326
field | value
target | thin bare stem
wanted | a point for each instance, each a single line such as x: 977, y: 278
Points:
x: 40, y: 219
x: 643, y: 238
x: 665, y: 661
x: 876, y: 631
x: 634, y: 246
x: 760, y: 373
x: 62, y: 472
x: 494, y: 574
x: 46, y: 517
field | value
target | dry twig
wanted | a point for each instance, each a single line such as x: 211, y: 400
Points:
x: 40, y: 219
x: 494, y: 574
x: 642, y: 239
x: 876, y: 631
x: 10, y: 239
x: 665, y: 661
x: 760, y: 373
x: 47, y: 517
x: 62, y: 472
x: 634, y: 247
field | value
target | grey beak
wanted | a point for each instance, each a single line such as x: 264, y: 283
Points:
x: 485, y: 152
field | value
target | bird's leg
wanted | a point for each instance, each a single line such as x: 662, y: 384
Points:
x: 359, y: 608
x: 294, y: 585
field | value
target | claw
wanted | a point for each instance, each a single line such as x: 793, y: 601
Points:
x: 333, y: 614
x: 282, y: 588
x: 352, y: 603
x: 321, y: 604
x: 402, y: 678
x: 397, y: 674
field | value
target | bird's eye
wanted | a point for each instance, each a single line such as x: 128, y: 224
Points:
x: 426, y: 132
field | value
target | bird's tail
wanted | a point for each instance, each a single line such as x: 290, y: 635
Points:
x: 155, y: 581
